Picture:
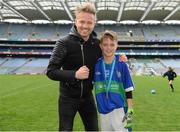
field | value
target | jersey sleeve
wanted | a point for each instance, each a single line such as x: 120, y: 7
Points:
x: 126, y: 78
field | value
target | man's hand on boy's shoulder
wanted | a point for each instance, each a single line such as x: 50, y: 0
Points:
x: 123, y: 57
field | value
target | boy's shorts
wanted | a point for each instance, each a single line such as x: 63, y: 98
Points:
x: 113, y: 121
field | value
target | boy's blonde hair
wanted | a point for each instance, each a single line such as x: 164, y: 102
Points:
x: 85, y: 7
x: 109, y: 34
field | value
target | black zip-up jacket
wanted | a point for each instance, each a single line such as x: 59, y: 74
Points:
x: 69, y: 54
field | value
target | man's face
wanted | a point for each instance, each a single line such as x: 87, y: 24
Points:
x: 85, y: 23
x: 108, y: 47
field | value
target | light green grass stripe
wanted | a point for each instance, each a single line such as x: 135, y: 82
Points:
x: 37, y: 110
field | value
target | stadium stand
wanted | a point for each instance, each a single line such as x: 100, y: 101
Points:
x: 137, y: 41
x: 25, y: 47
x: 33, y: 66
x: 23, y: 65
x: 50, y: 32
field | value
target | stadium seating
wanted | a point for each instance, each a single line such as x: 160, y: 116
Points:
x: 148, y: 33
x: 158, y: 66
x: 23, y: 65
x: 37, y: 42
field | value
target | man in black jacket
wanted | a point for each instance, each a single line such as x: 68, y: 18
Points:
x: 72, y: 63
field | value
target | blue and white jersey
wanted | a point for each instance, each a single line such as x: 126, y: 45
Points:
x: 121, y: 82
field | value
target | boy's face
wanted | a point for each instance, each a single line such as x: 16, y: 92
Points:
x: 85, y: 23
x: 108, y: 47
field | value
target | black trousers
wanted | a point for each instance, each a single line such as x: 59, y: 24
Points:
x: 68, y: 107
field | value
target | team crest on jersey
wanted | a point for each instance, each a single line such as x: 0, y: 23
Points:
x: 98, y: 73
x: 118, y: 74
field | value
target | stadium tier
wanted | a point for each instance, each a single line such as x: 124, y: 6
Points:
x: 13, y: 65
x: 51, y: 32
x: 26, y: 48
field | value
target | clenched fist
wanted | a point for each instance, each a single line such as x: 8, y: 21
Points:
x: 82, y: 73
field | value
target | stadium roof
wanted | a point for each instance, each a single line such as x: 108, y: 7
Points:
x: 113, y: 10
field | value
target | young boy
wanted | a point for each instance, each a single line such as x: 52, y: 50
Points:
x: 113, y: 87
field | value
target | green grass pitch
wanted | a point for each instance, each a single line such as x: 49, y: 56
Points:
x: 29, y: 103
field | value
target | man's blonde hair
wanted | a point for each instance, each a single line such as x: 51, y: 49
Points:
x: 109, y: 34
x: 85, y: 7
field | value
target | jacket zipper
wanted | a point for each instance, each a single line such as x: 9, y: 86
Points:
x: 82, y: 51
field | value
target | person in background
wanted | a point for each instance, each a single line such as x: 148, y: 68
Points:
x: 113, y: 87
x: 171, y: 75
